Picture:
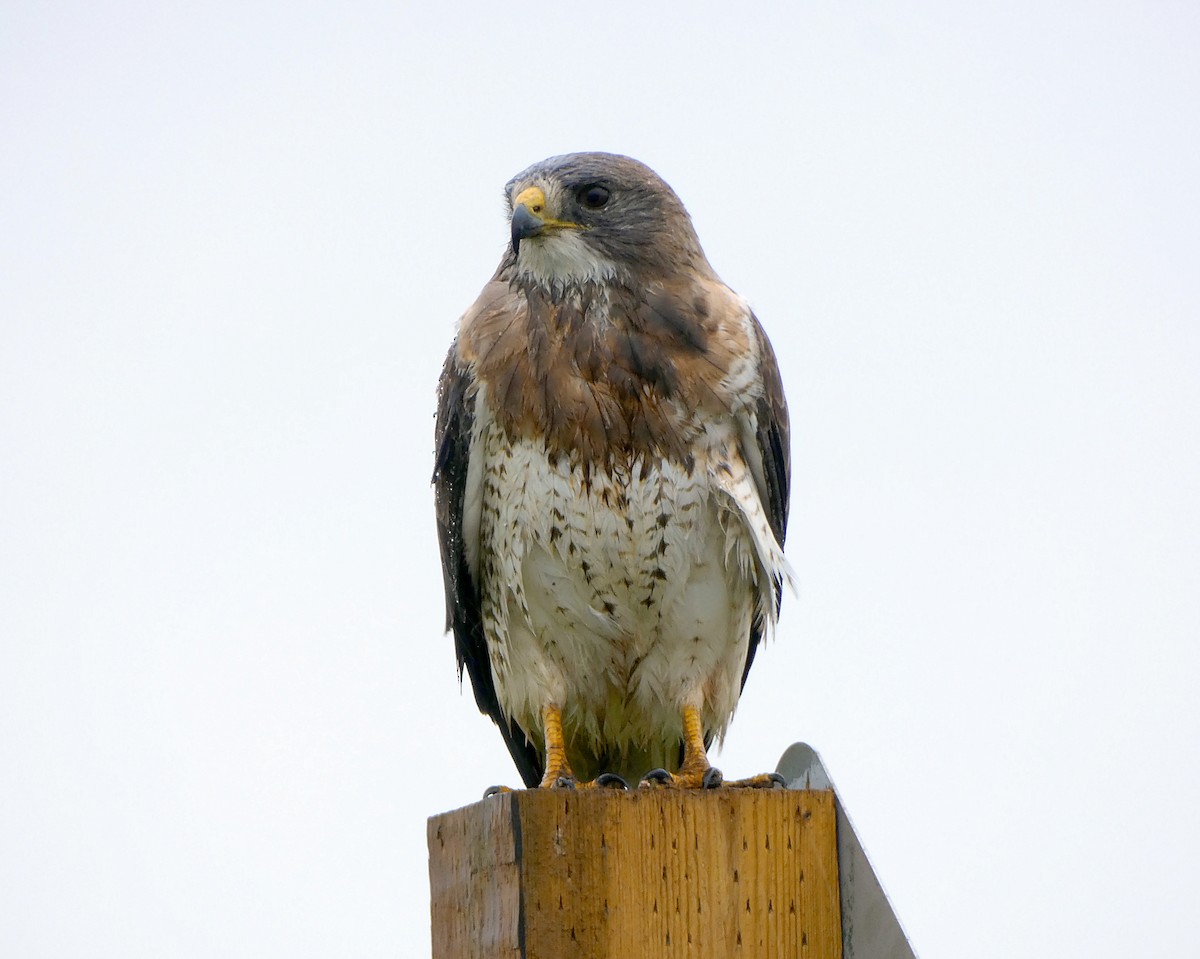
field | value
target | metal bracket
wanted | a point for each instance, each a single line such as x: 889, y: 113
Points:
x: 870, y: 929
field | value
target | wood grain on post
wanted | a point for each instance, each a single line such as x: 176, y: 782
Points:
x: 549, y: 874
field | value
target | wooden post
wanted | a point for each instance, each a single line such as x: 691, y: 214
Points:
x: 707, y: 874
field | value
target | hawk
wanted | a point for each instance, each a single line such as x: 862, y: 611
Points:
x: 612, y: 474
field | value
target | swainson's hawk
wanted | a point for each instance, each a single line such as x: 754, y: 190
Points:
x: 612, y: 482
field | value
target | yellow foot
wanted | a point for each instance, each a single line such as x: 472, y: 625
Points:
x: 709, y: 778
x: 761, y: 781
x: 568, y: 781
x: 563, y: 779
x: 706, y: 777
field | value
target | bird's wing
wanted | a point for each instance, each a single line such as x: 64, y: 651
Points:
x: 774, y: 438
x: 455, y: 522
x: 768, y: 446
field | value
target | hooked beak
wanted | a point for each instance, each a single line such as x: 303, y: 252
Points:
x: 525, y: 223
x: 529, y: 217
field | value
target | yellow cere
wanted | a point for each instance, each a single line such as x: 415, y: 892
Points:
x: 533, y: 198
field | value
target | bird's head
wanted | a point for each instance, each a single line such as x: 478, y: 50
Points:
x: 593, y: 217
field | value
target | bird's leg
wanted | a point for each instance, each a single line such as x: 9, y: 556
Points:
x: 558, y: 770
x: 558, y: 774
x: 695, y: 772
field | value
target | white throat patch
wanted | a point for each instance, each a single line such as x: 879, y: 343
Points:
x: 562, y: 259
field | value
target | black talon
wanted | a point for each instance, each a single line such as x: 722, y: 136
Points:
x: 777, y: 781
x: 712, y: 778
x: 494, y: 791
x: 611, y: 781
x: 564, y: 782
x: 658, y: 777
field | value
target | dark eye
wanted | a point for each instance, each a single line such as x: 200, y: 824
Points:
x: 593, y: 196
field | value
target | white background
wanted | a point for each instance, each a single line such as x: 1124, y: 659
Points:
x: 235, y: 239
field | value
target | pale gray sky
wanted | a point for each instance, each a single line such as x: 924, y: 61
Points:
x: 236, y: 240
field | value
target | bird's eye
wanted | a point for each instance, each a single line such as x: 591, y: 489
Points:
x: 593, y: 196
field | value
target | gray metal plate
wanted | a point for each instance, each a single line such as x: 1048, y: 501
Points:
x: 870, y: 929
